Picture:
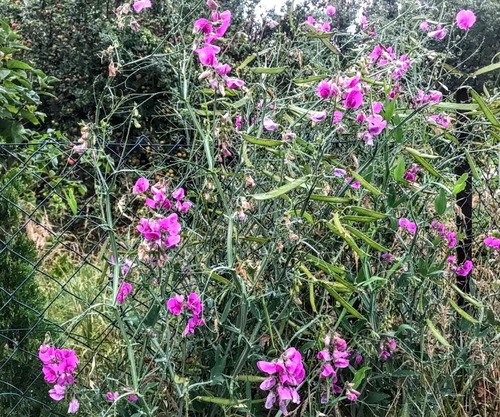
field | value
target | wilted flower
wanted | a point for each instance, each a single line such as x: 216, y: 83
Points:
x: 318, y: 116
x: 74, y: 406
x: 269, y: 124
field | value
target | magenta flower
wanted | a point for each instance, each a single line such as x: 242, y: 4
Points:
x: 206, y: 55
x: 339, y: 172
x: 353, y: 99
x: 194, y: 304
x: 222, y: 69
x: 310, y: 20
x: 202, y: 25
x: 442, y: 120
x: 178, y: 194
x: 112, y: 396
x: 438, y: 33
x: 124, y: 290
x: 351, y: 393
x: 355, y: 184
x: 325, y: 27
x: 175, y: 304
x: 141, y: 4
x: 212, y: 5
x: 234, y: 83
x: 140, y: 186
x: 325, y: 89
x: 318, y: 116
x: 424, y: 26
x: 408, y: 225
x: 269, y: 124
x: 57, y: 393
x: 376, y: 124
x: 492, y: 242
x: 465, y: 19
x: 74, y: 406
x: 330, y: 10
x: 388, y: 257
x: 465, y: 269
x: 193, y: 322
x: 337, y: 117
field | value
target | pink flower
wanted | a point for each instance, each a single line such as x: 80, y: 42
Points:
x: 465, y: 19
x: 191, y: 324
x: 222, y: 69
x: 112, y: 396
x: 234, y: 83
x: 212, y: 5
x: 310, y: 20
x: 203, y: 26
x: 376, y: 107
x: 424, y: 26
x: 408, y: 225
x: 376, y: 124
x: 492, y: 242
x: 353, y: 99
x: 351, y: 393
x: 74, y: 406
x: 325, y: 89
x: 388, y: 257
x: 339, y: 172
x: 178, y: 194
x: 141, y: 4
x: 326, y: 27
x: 442, y: 120
x: 465, y: 269
x: 141, y: 185
x: 124, y: 290
x: 318, y: 116
x: 57, y: 393
x: 194, y: 304
x: 269, y: 124
x: 337, y: 117
x: 206, y: 55
x: 330, y: 10
x: 175, y: 304
x: 438, y: 33
x: 355, y: 184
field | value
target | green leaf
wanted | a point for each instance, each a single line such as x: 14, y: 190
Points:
x: 15, y: 64
x: 338, y: 229
x: 440, y: 202
x: 364, y: 183
x: 350, y: 309
x: 311, y: 79
x: 281, y: 190
x: 369, y: 241
x: 467, y: 297
x: 247, y: 61
x: 487, y: 68
x: 268, y: 70
x: 439, y: 337
x: 463, y: 313
x: 71, y: 200
x: 485, y: 109
x: 460, y: 184
x: 420, y: 158
x: 399, y: 170
x: 327, y: 267
x: 261, y: 141
x: 221, y: 401
x: 368, y: 212
x: 359, y: 376
x: 330, y: 199
x: 152, y: 316
x: 456, y: 106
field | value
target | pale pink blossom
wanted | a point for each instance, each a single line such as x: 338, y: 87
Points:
x: 424, y: 26
x: 330, y: 10
x: 318, y: 116
x: 439, y: 33
x: 74, y: 406
x: 269, y: 124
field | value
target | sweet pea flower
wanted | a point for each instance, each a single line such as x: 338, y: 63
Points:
x: 175, y: 304
x: 325, y: 89
x: 351, y: 393
x: 442, y: 120
x: 355, y: 184
x: 325, y: 27
x: 57, y: 393
x: 202, y: 25
x: 318, y: 116
x: 140, y: 186
x: 465, y: 269
x: 424, y: 26
x: 206, y: 55
x: 212, y: 5
x: 465, y: 19
x: 222, y: 69
x: 112, y: 396
x: 124, y: 290
x: 74, y: 406
x: 330, y: 10
x: 337, y: 117
x: 408, y: 225
x: 269, y: 124
x: 439, y: 33
x: 492, y: 242
x: 234, y: 83
x: 310, y: 20
x: 194, y: 303
x: 141, y: 4
x: 376, y: 124
x: 353, y: 99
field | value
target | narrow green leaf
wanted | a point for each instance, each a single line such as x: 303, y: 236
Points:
x: 354, y: 218
x: 463, y: 313
x: 368, y: 212
x: 221, y: 401
x: 456, y: 106
x: 305, y: 215
x: 347, y: 237
x: 247, y: 61
x: 71, y: 200
x: 261, y: 141
x: 439, y: 337
x: 359, y: 376
x: 364, y: 183
x: 311, y: 79
x: 327, y: 267
x: 487, y: 68
x: 350, y: 309
x: 330, y: 199
x: 399, y: 170
x: 368, y: 240
x: 420, y: 158
x: 485, y: 109
x: 15, y: 64
x: 460, y: 184
x: 467, y: 297
x: 281, y: 190
x: 268, y: 70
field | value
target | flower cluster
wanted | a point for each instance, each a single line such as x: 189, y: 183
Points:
x: 326, y: 25
x: 212, y: 30
x: 461, y: 270
x: 387, y: 349
x: 113, y: 396
x: 287, y: 372
x: 341, y: 173
x: 404, y: 223
x: 160, y: 232
x: 492, y: 242
x: 59, y: 365
x: 445, y: 234
x: 441, y: 120
x: 384, y: 57
x: 193, y: 303
x: 411, y: 174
